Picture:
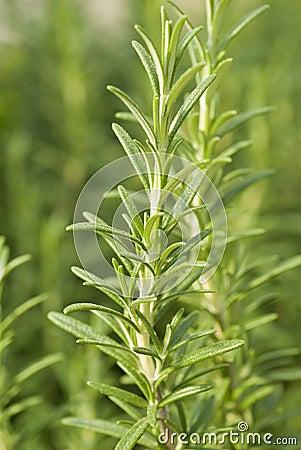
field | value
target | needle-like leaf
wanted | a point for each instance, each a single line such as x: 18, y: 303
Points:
x: 135, y: 110
x: 187, y: 106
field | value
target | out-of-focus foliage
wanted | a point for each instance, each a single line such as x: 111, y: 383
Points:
x: 54, y: 133
x: 268, y: 72
x: 56, y: 58
x: 15, y: 401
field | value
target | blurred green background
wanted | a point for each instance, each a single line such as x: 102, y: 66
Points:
x: 57, y: 56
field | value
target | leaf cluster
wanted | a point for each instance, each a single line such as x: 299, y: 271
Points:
x: 150, y: 258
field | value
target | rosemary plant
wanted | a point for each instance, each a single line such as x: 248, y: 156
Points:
x: 13, y: 401
x: 158, y: 346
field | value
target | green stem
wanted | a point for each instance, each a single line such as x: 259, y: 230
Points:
x: 162, y: 423
x: 204, y: 112
x: 143, y: 340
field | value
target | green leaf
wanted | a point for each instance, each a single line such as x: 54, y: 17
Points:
x: 192, y: 243
x: 241, y: 118
x: 16, y: 262
x: 212, y: 143
x: 259, y: 301
x: 248, y: 385
x: 6, y: 341
x: 167, y: 254
x: 17, y: 408
x: 179, y: 328
x: 248, y: 181
x: 177, y: 179
x: 190, y: 192
x: 173, y: 47
x: 93, y: 218
x: 150, y: 224
x: 285, y: 375
x: 193, y: 276
x: 91, y: 279
x: 132, y: 411
x: 130, y: 224
x: 148, y: 65
x: 245, y: 235
x: 290, y: 264
x: 259, y: 321
x: 191, y: 339
x: 240, y: 26
x: 138, y: 301
x: 112, y: 391
x: 85, y: 332
x: 219, y: 17
x: 36, y: 366
x: 220, y: 70
x: 104, y: 229
x: 127, y: 117
x: 115, y: 244
x: 87, y: 276
x: 164, y: 19
x: 152, y: 411
x: 100, y: 284
x: 133, y: 153
x: 201, y: 373
x: 99, y: 426
x: 251, y: 267
x: 107, y: 290
x: 37, y: 427
x: 221, y: 119
x: 277, y: 354
x: 255, y: 396
x: 236, y: 174
x: 131, y: 208
x: 107, y: 429
x: 132, y: 436
x: 146, y: 351
x: 138, y: 377
x: 4, y: 256
x: 20, y: 310
x: 151, y: 331
x: 160, y: 310
x: 154, y: 55
x: 180, y: 85
x: 187, y: 106
x: 183, y: 393
x: 169, y: 279
x: 202, y: 354
x: 119, y: 270
x: 107, y: 346
x: 159, y: 241
x: 182, y: 416
x: 173, y: 222
x: 236, y: 147
x: 95, y: 307
x: 115, y: 325
x: 186, y: 293
x: 165, y: 49
x: 192, y: 33
x: 136, y: 111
